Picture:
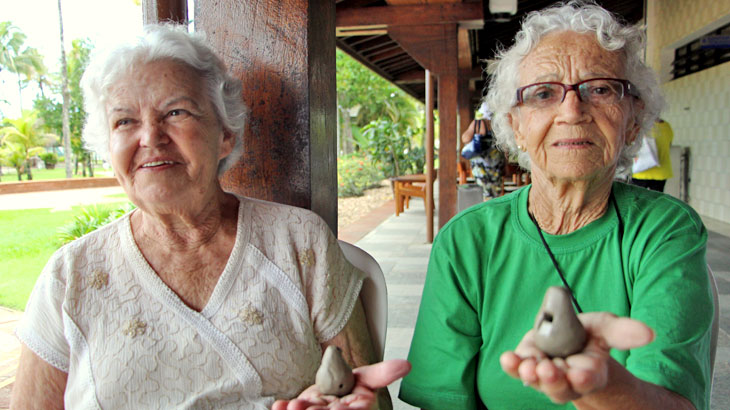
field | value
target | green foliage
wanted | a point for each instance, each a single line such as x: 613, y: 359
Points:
x: 90, y: 219
x: 390, y: 144
x: 355, y: 174
x: 50, y: 159
x: 28, y: 240
x: 24, y: 136
x: 50, y: 109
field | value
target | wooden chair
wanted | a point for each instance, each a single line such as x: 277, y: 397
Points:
x: 463, y: 169
x: 407, y: 186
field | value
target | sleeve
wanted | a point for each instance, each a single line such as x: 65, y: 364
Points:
x: 446, y: 341
x: 41, y: 328
x: 671, y: 294
x: 332, y: 283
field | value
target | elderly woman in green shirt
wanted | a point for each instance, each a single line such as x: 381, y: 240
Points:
x: 571, y: 98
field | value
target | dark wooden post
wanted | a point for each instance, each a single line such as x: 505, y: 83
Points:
x: 429, y: 156
x: 447, y: 103
x: 155, y: 11
x: 435, y: 47
x: 284, y: 53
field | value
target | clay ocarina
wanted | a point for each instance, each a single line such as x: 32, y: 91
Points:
x: 558, y: 332
x: 334, y: 376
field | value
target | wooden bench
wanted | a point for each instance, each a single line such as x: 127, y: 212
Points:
x: 407, y: 186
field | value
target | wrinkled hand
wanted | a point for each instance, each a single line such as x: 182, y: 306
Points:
x: 368, y: 379
x: 568, y: 379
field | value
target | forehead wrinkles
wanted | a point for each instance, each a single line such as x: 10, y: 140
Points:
x: 571, y: 56
x: 156, y: 82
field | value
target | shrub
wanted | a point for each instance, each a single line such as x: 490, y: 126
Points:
x: 90, y: 219
x: 355, y: 174
x: 49, y: 159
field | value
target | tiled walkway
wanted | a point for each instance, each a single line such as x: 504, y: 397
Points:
x: 398, y: 244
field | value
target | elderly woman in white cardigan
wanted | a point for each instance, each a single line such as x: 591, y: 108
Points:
x: 198, y: 298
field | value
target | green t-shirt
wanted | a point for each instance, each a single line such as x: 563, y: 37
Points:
x: 488, y: 273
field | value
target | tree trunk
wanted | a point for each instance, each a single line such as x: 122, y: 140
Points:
x: 19, y: 171
x: 28, y: 171
x: 66, y: 100
x: 89, y: 164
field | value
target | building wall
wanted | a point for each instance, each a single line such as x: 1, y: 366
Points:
x: 698, y: 104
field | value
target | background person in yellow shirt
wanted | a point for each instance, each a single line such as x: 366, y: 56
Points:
x: 655, y: 178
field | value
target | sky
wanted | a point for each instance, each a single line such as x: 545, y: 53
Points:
x: 102, y: 21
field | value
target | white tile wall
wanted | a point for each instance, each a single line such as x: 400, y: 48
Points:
x: 699, y: 104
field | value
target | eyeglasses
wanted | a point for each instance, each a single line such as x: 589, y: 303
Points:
x: 596, y: 91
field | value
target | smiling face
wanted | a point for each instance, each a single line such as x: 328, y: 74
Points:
x: 165, y: 139
x: 573, y: 140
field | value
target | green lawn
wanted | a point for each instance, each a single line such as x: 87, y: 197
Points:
x: 9, y: 174
x: 27, y: 240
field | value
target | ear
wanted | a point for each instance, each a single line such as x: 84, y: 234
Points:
x: 514, y: 122
x: 635, y: 127
x: 227, y: 143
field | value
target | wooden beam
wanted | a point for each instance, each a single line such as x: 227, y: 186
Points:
x: 410, y: 15
x: 284, y: 54
x: 411, y: 77
x: 156, y: 11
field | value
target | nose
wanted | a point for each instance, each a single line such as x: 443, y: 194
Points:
x: 572, y: 108
x: 153, y: 134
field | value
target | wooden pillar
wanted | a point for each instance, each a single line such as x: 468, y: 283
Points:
x: 435, y: 48
x: 429, y: 156
x: 155, y: 11
x: 284, y: 54
x: 447, y: 103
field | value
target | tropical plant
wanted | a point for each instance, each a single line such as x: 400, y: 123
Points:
x: 50, y: 159
x: 24, y: 135
x: 355, y: 174
x: 52, y: 111
x: 11, y: 154
x: 24, y: 62
x: 90, y: 219
x: 363, y: 97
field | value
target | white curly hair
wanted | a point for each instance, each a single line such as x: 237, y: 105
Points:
x: 163, y: 42
x: 581, y: 17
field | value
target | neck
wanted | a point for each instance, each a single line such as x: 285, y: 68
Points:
x: 183, y: 226
x: 564, y: 207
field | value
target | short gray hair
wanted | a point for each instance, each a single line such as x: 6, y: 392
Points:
x: 580, y: 17
x: 163, y: 42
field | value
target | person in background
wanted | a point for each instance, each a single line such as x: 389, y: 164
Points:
x: 656, y: 178
x: 198, y: 298
x: 570, y: 99
x: 487, y: 165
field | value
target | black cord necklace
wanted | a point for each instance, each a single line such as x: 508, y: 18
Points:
x: 555, y: 262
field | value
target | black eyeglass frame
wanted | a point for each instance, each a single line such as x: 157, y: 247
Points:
x: 628, y: 88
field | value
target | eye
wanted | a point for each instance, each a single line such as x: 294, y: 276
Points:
x: 122, y: 122
x: 178, y: 112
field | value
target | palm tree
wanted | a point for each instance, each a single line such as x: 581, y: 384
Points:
x: 66, y: 100
x: 11, y: 41
x: 24, y: 135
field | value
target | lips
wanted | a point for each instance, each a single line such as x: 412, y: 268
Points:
x: 574, y: 143
x: 156, y: 164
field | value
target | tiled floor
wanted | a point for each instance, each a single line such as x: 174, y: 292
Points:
x: 398, y: 244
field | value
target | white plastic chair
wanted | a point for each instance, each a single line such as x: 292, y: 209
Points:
x: 374, y: 295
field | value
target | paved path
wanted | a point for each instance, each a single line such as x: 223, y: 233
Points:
x: 61, y: 200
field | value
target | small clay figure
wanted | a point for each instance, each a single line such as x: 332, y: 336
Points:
x: 558, y: 332
x: 334, y: 376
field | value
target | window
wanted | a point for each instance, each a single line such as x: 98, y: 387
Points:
x: 707, y: 51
